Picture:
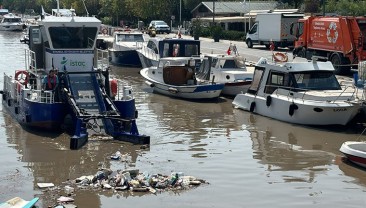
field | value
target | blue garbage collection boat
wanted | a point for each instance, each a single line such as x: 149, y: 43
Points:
x: 85, y: 97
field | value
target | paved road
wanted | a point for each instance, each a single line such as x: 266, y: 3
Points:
x: 251, y: 54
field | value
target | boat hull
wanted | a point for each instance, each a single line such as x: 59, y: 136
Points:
x: 147, y: 60
x: 298, y: 111
x: 204, y: 91
x: 234, y: 88
x: 9, y: 27
x: 125, y: 58
x: 355, y: 152
x: 35, y: 114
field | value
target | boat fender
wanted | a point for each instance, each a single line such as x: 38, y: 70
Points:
x: 252, y: 106
x: 292, y: 109
x: 268, y: 100
x: 149, y: 84
x: 22, y: 76
x: 114, y: 87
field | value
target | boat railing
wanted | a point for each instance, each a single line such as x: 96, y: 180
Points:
x: 291, y: 90
x: 30, y: 61
x: 40, y: 96
x: 344, y: 91
x: 124, y: 91
x: 17, y: 89
x: 102, y: 59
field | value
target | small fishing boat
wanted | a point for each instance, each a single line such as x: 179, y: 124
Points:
x: 18, y: 202
x: 300, y: 92
x: 355, y: 152
x: 231, y: 70
x: 126, y: 42
x: 157, y: 48
x: 176, y: 77
x: 12, y: 22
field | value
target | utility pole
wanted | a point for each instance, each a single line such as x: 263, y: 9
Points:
x: 323, y: 1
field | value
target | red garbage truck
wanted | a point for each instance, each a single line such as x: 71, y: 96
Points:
x: 339, y: 39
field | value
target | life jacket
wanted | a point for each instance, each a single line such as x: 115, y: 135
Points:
x: 51, y: 85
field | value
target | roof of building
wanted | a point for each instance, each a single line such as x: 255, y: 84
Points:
x: 238, y: 7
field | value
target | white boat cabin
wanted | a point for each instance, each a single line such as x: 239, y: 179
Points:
x: 294, y: 77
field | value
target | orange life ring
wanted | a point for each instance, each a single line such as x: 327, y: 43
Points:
x: 280, y: 57
x: 22, y: 77
x: 114, y: 87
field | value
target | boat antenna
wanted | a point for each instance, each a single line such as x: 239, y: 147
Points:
x: 58, y: 7
x: 87, y: 13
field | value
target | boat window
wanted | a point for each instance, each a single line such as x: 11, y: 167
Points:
x: 257, y: 77
x: 275, y: 80
x: 228, y: 64
x: 73, y: 37
x: 12, y: 20
x: 319, y: 80
x: 166, y: 50
x: 191, y: 50
x: 204, y: 69
x: 214, y: 62
x: 129, y: 38
x: 152, y: 46
x: 176, y: 50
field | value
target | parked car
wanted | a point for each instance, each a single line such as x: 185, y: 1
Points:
x: 160, y: 26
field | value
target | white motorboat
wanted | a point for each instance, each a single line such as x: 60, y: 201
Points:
x: 158, y: 47
x: 305, y: 92
x: 176, y: 77
x: 124, y: 47
x: 232, y: 71
x: 355, y: 152
x: 11, y: 22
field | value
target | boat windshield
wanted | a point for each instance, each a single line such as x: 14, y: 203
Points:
x: 12, y: 20
x: 73, y: 37
x: 231, y: 63
x: 319, y: 80
x: 130, y: 38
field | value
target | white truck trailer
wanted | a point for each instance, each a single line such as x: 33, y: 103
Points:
x: 273, y: 27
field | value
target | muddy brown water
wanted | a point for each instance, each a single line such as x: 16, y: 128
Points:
x: 248, y: 160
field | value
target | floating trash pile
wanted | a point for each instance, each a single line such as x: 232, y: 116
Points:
x: 133, y: 180
x: 122, y: 180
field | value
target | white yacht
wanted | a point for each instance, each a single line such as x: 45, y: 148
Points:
x: 305, y: 92
x: 11, y: 22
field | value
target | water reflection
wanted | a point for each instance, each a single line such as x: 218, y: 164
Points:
x: 50, y: 159
x: 283, y: 147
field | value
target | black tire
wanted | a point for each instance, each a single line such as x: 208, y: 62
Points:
x: 249, y: 43
x: 337, y: 62
x: 301, y: 53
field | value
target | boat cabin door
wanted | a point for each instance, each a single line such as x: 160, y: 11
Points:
x: 35, y: 44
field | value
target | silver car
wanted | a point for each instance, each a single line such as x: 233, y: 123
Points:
x: 160, y: 26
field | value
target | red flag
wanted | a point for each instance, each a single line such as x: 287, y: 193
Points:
x: 229, y: 51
